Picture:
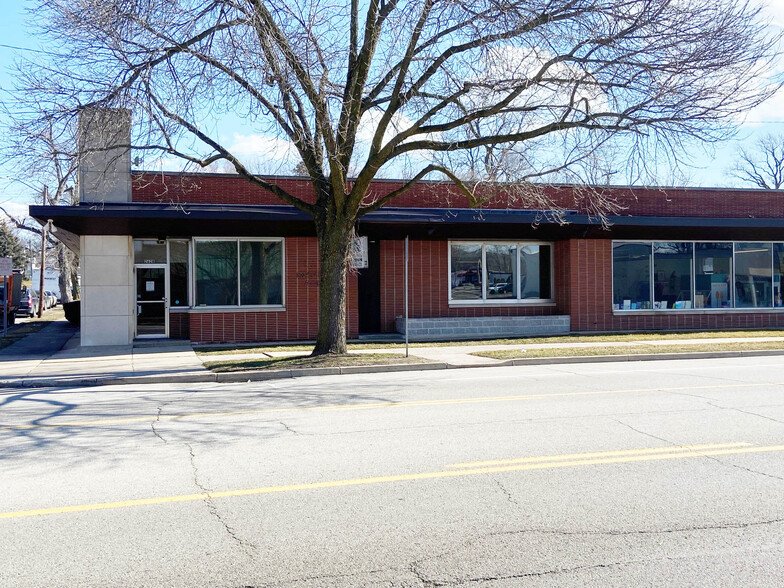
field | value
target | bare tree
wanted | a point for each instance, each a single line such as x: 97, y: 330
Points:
x: 41, y: 155
x: 761, y: 165
x: 429, y: 86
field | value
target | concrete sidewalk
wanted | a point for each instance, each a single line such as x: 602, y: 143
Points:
x: 85, y: 366
x: 176, y: 362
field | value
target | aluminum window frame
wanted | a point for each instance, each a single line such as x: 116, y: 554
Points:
x: 484, y: 301
x: 239, y: 306
x: 731, y: 308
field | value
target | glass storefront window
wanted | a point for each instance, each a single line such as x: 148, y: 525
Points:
x: 753, y: 280
x: 216, y: 273
x: 672, y: 275
x: 178, y: 273
x: 513, y: 272
x: 261, y: 272
x: 535, y: 272
x: 501, y: 261
x: 712, y: 275
x: 466, y: 271
x: 631, y: 276
x: 239, y: 272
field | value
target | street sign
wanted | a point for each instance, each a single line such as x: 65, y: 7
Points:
x: 6, y: 266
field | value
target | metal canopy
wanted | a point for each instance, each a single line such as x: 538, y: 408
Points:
x: 187, y: 220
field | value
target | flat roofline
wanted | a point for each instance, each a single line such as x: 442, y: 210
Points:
x: 629, y: 187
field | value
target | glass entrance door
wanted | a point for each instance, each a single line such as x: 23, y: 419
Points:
x: 152, y: 318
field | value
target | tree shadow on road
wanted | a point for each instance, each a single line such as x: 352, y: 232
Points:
x: 68, y: 427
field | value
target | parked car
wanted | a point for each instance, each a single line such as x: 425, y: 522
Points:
x: 47, y: 301
x: 51, y: 298
x: 26, y: 303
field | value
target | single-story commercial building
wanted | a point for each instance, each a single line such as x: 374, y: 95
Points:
x: 213, y: 258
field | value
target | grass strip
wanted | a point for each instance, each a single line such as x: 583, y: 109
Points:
x: 599, y: 338
x: 628, y: 350
x: 305, y: 361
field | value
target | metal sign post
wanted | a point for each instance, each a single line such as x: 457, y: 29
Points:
x: 6, y: 269
x: 405, y: 298
x: 6, y: 304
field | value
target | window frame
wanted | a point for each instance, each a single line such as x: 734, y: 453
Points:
x: 239, y: 306
x: 484, y: 301
x: 732, y: 308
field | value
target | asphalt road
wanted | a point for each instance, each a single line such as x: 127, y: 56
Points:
x: 633, y: 474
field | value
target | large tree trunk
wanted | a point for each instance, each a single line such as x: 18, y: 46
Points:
x: 64, y: 281
x: 334, y: 241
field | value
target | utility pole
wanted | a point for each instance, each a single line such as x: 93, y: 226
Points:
x: 45, y: 196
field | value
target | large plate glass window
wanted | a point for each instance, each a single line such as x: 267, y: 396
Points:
x: 672, y: 275
x: 466, y: 271
x: 239, y: 272
x: 631, y: 276
x: 500, y: 272
x: 712, y: 275
x: 178, y: 273
x: 535, y: 276
x: 501, y: 262
x: 753, y: 279
x: 261, y: 270
x: 216, y: 273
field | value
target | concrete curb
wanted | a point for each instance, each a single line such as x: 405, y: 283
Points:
x: 263, y: 375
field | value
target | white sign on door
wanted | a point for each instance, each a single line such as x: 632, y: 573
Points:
x: 359, y: 253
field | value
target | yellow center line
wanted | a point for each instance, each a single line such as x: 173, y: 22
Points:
x: 616, y: 453
x: 383, y: 480
x: 368, y: 406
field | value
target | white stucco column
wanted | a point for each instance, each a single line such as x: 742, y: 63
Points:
x: 107, y: 290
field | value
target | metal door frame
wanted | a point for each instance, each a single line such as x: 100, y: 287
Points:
x: 165, y: 268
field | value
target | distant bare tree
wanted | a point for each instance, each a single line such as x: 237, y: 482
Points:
x: 43, y: 156
x: 763, y: 164
x: 431, y: 86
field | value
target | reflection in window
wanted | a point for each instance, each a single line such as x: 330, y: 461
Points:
x: 753, y: 284
x: 712, y: 275
x: 216, y: 273
x: 631, y: 276
x: 672, y: 275
x: 261, y: 272
x: 778, y: 271
x: 501, y: 263
x: 178, y: 273
x: 466, y: 271
x: 148, y: 251
x: 535, y: 271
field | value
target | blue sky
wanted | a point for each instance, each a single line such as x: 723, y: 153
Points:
x: 709, y: 164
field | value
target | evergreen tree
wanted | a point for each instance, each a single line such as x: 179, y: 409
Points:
x: 11, y: 246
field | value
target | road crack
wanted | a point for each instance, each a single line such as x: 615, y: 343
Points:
x: 511, y: 499
x: 289, y: 429
x: 156, y: 421
x: 249, y: 547
x: 662, y: 439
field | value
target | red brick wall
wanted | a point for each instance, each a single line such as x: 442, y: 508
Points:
x: 298, y: 321
x: 428, y: 295
x: 179, y: 325
x: 591, y: 300
x: 697, y: 202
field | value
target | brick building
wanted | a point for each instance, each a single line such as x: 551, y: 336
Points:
x: 213, y: 258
